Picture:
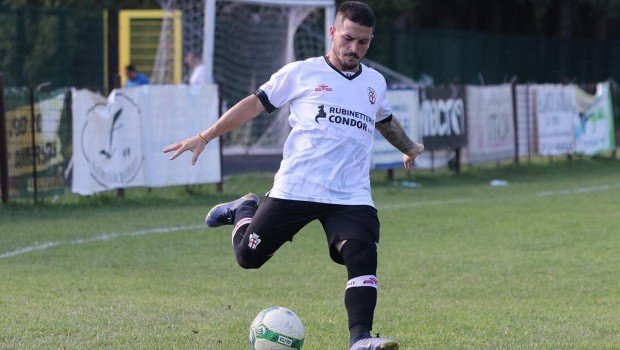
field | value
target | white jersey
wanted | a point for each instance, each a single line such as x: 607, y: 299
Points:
x: 326, y: 157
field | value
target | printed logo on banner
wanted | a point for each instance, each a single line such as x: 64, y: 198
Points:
x: 442, y: 116
x: 109, y: 142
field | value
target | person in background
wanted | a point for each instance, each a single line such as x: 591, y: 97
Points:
x: 197, y: 69
x: 336, y: 106
x: 134, y: 78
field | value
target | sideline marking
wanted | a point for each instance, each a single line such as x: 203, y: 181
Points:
x: 576, y: 191
x: 104, y: 237
x: 110, y: 236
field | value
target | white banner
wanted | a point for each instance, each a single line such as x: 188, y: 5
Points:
x: 595, y: 130
x: 117, y: 143
x: 404, y: 108
x: 557, y: 117
x: 490, y: 123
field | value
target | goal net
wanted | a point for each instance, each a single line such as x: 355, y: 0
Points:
x: 242, y: 44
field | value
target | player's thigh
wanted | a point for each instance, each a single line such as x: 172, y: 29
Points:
x: 278, y: 220
x: 351, y: 222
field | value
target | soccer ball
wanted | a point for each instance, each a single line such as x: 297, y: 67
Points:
x: 276, y: 328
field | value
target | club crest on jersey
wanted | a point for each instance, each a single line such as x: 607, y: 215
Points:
x: 372, y: 95
x: 254, y: 241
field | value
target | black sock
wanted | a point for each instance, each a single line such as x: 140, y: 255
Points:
x: 360, y: 304
x: 360, y: 301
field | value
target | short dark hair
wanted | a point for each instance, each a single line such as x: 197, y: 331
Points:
x: 130, y: 67
x: 357, y: 12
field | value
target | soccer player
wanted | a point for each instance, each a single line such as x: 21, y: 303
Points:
x: 336, y: 104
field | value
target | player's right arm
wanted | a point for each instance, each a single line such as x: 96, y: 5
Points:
x: 246, y: 109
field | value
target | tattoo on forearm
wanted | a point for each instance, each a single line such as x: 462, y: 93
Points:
x: 394, y: 133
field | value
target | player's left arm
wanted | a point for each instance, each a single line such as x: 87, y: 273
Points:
x: 393, y: 131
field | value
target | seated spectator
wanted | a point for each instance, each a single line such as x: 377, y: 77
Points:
x: 134, y: 78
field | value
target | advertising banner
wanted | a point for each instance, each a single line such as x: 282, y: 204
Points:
x: 404, y: 108
x: 118, y: 142
x: 595, y: 131
x: 46, y: 150
x: 442, y: 117
x: 557, y: 118
x: 490, y: 123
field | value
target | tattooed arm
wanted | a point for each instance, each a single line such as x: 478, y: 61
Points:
x: 395, y: 134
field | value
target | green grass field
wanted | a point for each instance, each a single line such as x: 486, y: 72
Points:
x: 463, y: 265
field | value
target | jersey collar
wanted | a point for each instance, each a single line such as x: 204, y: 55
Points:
x: 350, y: 77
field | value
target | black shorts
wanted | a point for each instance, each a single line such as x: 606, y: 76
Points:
x: 278, y: 220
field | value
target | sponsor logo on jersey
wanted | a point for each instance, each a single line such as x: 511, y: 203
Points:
x: 254, y: 241
x: 321, y: 114
x: 343, y: 116
x: 323, y: 87
x: 372, y: 95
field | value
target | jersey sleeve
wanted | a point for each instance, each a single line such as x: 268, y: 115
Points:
x: 282, y: 87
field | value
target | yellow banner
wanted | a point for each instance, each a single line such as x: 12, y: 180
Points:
x: 48, y: 147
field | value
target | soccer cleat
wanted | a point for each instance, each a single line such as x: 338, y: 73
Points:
x: 375, y: 344
x: 224, y: 213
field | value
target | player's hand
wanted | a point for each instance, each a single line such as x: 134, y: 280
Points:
x: 192, y: 144
x: 409, y: 157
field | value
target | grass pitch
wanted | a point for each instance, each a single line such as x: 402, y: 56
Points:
x: 463, y: 265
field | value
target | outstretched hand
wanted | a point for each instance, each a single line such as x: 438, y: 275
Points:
x: 409, y: 157
x: 192, y: 144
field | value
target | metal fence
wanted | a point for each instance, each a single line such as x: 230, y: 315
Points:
x: 479, y: 58
x: 69, y: 47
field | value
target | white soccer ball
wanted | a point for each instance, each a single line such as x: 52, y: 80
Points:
x: 276, y: 328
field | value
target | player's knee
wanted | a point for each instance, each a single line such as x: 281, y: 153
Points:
x: 360, y: 258
x: 250, y: 261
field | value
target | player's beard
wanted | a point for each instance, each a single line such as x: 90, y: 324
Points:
x: 348, y: 65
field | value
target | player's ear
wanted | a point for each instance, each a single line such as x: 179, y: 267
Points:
x: 332, y: 30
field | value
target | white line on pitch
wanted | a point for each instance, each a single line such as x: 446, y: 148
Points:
x: 110, y: 236
x: 576, y: 191
x: 104, y: 237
